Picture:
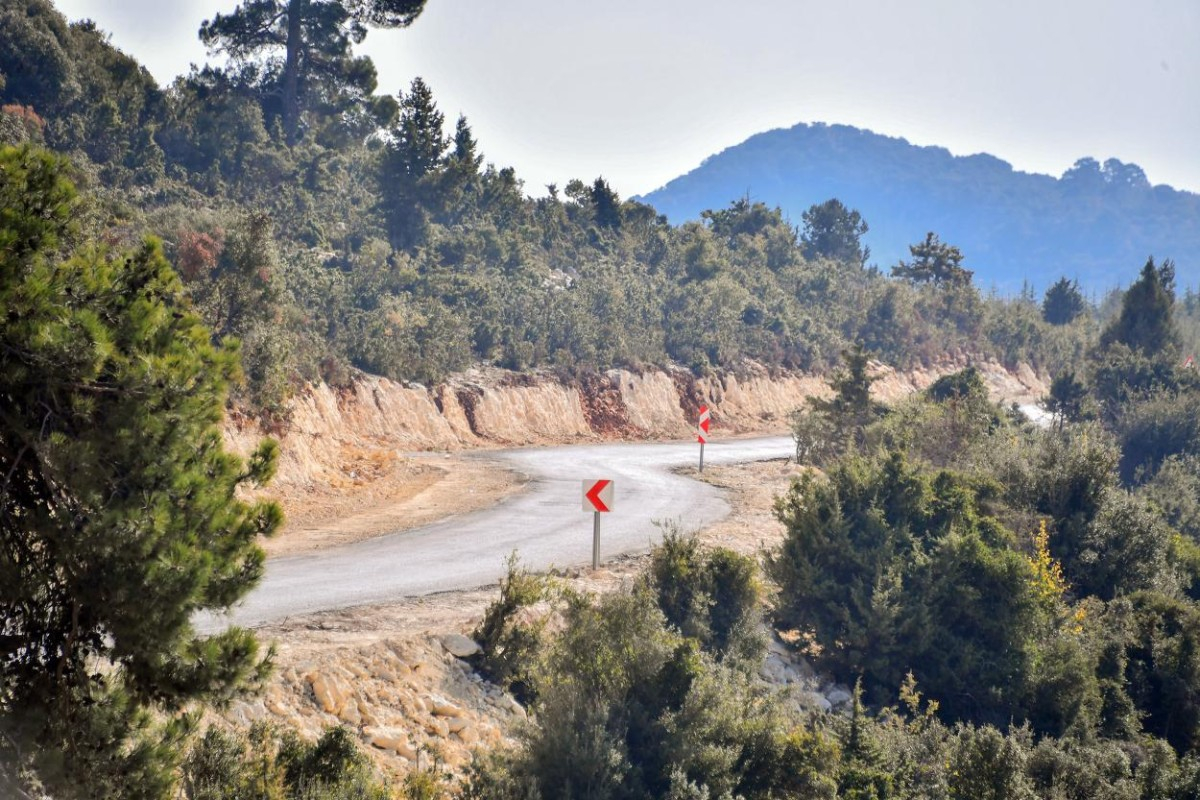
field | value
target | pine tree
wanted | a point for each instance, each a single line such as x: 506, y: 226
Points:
x: 1147, y: 322
x: 1063, y: 302
x: 934, y: 262
x: 411, y: 162
x: 462, y: 184
x: 851, y: 408
x: 835, y: 232
x: 119, y: 519
x: 607, y: 205
x: 1067, y: 399
x: 315, y: 37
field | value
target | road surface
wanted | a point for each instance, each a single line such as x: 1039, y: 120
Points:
x: 544, y: 524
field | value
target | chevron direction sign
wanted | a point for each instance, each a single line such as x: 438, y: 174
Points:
x: 705, y: 423
x: 598, y: 496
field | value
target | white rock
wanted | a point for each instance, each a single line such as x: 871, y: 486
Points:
x: 442, y: 707
x: 390, y: 739
x: 839, y: 697
x: 330, y: 693
x: 383, y: 738
x: 350, y: 714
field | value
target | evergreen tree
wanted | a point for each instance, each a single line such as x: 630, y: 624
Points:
x: 414, y: 155
x: 607, y: 205
x: 934, y: 262
x: 119, y: 518
x: 835, y: 232
x: 1067, y: 398
x: 1147, y: 322
x: 315, y: 37
x: 851, y: 408
x: 462, y: 184
x: 1063, y: 302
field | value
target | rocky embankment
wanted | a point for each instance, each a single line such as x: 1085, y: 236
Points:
x: 334, y: 434
x: 415, y: 701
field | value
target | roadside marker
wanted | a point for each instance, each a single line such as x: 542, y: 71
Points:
x: 702, y: 432
x: 597, y: 498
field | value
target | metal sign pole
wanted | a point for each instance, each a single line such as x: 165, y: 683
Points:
x: 702, y: 456
x: 596, y: 540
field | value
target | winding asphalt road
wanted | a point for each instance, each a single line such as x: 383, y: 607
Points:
x: 544, y: 523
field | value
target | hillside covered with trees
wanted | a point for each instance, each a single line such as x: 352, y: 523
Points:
x: 1089, y: 224
x: 329, y: 226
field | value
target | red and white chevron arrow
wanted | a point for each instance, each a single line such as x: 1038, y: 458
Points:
x: 705, y: 422
x: 598, y: 495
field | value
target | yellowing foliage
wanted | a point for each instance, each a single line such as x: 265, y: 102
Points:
x: 1048, y: 578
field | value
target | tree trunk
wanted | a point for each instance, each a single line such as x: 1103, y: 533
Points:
x: 291, y: 70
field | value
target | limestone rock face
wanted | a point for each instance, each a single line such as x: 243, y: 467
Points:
x: 391, y: 739
x: 442, y: 707
x: 486, y: 406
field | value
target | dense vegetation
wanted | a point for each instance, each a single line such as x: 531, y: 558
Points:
x: 1091, y: 223
x: 119, y: 512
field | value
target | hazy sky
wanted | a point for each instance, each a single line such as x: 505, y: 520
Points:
x: 640, y: 91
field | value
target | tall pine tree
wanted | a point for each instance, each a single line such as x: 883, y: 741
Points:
x: 835, y: 232
x: 315, y: 38
x: 414, y: 156
x: 1063, y: 303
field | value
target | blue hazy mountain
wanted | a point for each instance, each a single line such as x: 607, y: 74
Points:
x: 1097, y: 223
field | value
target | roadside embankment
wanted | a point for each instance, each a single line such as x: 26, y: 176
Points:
x: 343, y: 438
x: 380, y: 456
x: 383, y: 456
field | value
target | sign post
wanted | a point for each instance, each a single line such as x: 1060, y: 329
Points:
x: 702, y: 432
x: 597, y: 498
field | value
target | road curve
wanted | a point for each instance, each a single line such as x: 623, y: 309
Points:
x: 544, y: 523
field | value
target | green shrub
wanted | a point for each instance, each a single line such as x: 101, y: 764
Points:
x: 711, y: 595
x: 509, y: 637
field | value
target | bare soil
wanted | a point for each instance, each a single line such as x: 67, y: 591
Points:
x: 384, y: 492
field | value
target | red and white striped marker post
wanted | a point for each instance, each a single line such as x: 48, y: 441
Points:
x: 702, y: 432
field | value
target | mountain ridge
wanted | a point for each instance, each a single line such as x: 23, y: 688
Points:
x: 1096, y: 222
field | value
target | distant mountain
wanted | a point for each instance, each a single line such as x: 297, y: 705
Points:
x: 1097, y: 223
